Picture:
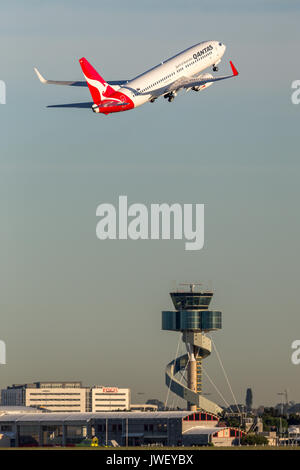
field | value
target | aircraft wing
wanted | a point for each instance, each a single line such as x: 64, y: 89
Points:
x: 71, y: 83
x: 186, y: 82
x: 199, y: 82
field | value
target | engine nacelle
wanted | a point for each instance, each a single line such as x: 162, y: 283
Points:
x: 204, y: 76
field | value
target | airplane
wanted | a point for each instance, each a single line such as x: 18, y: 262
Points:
x: 182, y: 71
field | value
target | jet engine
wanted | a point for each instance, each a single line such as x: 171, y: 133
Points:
x: 204, y: 76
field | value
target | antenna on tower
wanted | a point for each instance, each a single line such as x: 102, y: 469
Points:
x: 191, y: 285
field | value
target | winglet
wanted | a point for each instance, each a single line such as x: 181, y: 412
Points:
x: 40, y: 76
x: 234, y: 70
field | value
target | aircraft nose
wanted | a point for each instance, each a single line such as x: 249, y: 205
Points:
x: 222, y: 47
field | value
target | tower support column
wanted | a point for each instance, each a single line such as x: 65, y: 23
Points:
x: 192, y: 379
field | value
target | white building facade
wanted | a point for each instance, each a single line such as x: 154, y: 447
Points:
x: 67, y: 397
x: 65, y: 400
x: 50, y: 396
x: 110, y: 399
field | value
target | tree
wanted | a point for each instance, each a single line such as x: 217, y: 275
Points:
x: 232, y: 421
x: 293, y: 420
x: 249, y: 399
x: 253, y: 439
x: 273, y: 420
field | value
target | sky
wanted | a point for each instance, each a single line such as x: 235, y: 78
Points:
x: 77, y: 308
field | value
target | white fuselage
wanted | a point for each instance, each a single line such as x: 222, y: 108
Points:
x: 186, y: 64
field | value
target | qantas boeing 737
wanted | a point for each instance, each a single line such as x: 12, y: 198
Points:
x: 182, y: 71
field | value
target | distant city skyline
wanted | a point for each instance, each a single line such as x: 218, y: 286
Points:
x: 73, y: 306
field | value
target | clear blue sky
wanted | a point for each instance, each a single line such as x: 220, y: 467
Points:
x: 73, y: 307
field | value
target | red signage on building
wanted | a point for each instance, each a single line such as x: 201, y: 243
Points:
x: 110, y: 389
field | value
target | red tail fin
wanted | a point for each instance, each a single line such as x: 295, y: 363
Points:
x: 98, y: 87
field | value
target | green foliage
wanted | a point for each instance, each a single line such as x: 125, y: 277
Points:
x: 271, y: 423
x: 232, y: 421
x: 293, y: 420
x: 271, y: 420
x: 253, y: 439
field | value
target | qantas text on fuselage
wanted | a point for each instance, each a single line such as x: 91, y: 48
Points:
x: 183, y: 71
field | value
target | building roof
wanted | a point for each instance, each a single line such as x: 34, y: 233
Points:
x: 46, y: 384
x: 202, y: 430
x: 11, y: 409
x: 142, y: 406
x: 59, y: 417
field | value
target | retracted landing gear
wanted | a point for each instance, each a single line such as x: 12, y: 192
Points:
x: 170, y: 96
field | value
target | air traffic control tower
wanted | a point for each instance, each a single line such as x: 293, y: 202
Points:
x: 193, y: 319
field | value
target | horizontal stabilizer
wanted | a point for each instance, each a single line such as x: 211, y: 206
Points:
x: 87, y: 104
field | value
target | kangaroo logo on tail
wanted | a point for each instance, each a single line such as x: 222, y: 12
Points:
x: 98, y: 87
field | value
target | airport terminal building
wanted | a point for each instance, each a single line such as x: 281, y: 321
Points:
x: 166, y: 428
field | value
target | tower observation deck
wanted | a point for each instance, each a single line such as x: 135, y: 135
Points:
x: 193, y: 319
